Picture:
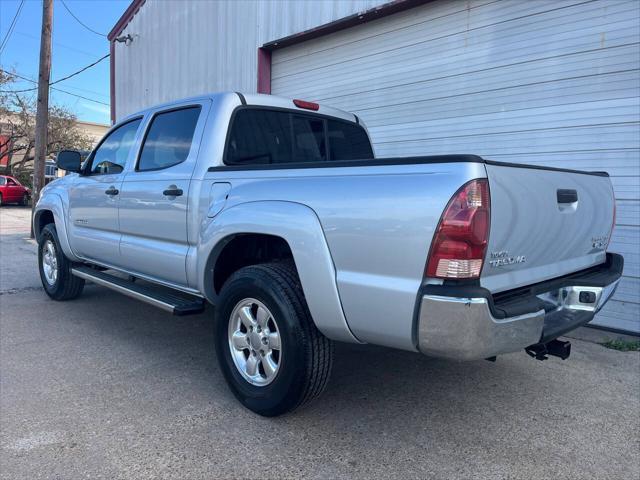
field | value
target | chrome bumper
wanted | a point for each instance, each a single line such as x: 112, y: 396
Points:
x: 465, y: 328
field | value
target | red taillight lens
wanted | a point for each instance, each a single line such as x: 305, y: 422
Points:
x: 460, y: 242
x: 305, y: 104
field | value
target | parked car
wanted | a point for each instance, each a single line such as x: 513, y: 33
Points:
x: 12, y: 191
x: 277, y: 212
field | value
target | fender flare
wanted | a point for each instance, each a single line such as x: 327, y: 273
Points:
x: 53, y: 202
x: 300, y: 227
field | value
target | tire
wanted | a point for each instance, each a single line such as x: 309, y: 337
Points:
x: 23, y: 201
x: 63, y: 285
x: 0, y: 199
x: 304, y: 357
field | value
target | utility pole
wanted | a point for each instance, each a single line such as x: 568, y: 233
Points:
x: 42, y: 112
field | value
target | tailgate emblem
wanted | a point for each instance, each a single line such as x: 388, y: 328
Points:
x: 599, y: 242
x: 501, y: 258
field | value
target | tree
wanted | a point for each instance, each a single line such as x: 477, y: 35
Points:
x: 17, y: 128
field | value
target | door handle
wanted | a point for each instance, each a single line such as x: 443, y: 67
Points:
x: 112, y: 191
x: 173, y: 191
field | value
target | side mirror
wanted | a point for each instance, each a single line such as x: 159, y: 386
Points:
x: 69, y: 160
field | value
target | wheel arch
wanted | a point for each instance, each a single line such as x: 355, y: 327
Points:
x: 289, y: 227
x: 50, y: 210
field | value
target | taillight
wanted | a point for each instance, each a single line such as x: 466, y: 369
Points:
x: 305, y: 104
x: 460, y: 242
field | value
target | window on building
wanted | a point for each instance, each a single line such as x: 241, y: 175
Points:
x: 169, y: 139
x: 111, y: 156
x: 262, y: 136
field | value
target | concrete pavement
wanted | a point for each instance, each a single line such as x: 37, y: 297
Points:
x: 106, y: 387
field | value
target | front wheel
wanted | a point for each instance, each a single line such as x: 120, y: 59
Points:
x: 270, y: 352
x: 55, y: 268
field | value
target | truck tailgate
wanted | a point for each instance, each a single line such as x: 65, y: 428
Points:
x: 544, y: 223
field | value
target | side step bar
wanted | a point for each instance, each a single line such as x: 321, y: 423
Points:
x: 166, y: 301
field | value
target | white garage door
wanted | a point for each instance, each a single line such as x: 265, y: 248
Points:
x: 544, y: 82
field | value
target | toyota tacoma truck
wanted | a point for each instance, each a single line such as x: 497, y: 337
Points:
x: 276, y: 212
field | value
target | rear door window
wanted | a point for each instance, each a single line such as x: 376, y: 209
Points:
x: 168, y: 140
x: 260, y: 136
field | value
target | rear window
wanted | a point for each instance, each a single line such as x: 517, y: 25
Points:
x: 168, y: 139
x: 263, y: 136
x: 308, y: 139
x: 348, y: 141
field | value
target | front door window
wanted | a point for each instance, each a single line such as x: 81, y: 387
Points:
x: 111, y: 156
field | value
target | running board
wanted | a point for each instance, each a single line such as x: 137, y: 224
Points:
x: 166, y: 301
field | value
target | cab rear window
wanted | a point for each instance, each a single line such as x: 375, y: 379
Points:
x: 260, y: 136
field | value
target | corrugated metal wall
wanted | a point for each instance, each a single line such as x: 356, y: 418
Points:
x: 543, y: 82
x: 554, y: 82
x: 185, y: 48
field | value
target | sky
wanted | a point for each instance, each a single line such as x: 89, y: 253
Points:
x: 73, y: 47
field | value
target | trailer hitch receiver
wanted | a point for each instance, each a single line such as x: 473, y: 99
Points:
x: 555, y: 348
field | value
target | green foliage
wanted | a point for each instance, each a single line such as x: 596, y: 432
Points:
x: 25, y: 178
x: 623, y: 345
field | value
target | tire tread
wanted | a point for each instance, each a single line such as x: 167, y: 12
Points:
x: 318, y: 349
x: 71, y: 286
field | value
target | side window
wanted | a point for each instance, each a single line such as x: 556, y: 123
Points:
x: 348, y: 141
x: 2, y: 180
x: 309, y: 140
x: 259, y: 137
x: 111, y: 155
x: 168, y: 139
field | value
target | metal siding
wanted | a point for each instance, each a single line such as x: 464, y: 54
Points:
x: 546, y: 82
x: 183, y: 49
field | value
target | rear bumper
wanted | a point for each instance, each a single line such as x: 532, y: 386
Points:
x: 469, y: 323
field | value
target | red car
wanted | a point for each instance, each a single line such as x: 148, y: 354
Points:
x: 12, y: 191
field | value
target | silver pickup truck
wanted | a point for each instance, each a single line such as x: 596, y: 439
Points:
x: 277, y: 212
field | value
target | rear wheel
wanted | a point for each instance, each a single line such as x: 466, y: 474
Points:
x: 55, y: 268
x: 270, y: 352
x: 0, y: 199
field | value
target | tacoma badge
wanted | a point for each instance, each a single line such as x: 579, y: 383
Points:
x: 501, y: 258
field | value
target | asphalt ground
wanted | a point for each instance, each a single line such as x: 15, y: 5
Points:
x: 106, y: 387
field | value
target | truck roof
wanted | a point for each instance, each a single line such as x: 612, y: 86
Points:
x: 255, y: 99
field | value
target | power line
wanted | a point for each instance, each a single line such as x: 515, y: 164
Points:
x: 58, y: 44
x: 64, y: 4
x: 79, y: 96
x: 67, y: 77
x: 5, y: 40
x: 22, y: 77
x: 19, y: 91
x: 52, y: 88
x: 81, y: 70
